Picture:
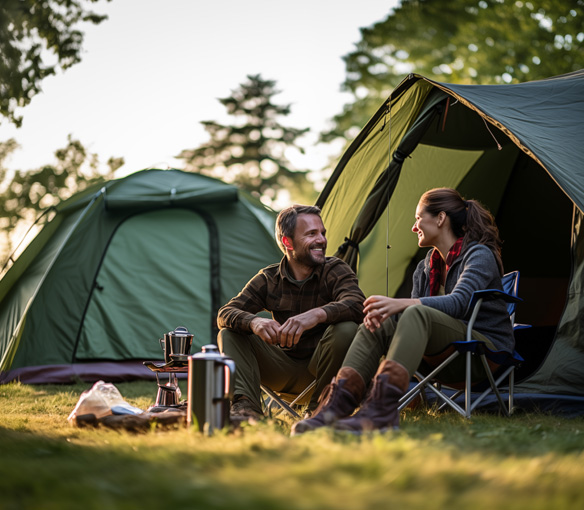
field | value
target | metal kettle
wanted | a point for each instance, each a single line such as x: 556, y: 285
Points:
x: 210, y: 389
x: 176, y: 343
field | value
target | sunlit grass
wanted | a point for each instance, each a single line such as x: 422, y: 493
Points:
x: 435, y: 461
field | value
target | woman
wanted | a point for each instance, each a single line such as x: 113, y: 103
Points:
x: 466, y: 257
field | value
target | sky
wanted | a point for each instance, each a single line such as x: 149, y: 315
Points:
x: 155, y: 69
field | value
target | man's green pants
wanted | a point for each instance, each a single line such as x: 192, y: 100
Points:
x: 257, y: 362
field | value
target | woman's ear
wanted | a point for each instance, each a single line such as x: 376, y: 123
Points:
x: 441, y: 218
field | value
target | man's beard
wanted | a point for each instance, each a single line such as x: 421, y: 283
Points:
x: 306, y: 259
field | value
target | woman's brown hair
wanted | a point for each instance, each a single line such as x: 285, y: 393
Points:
x: 468, y: 218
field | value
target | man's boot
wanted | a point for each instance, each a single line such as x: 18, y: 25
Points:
x: 243, y: 409
x: 380, y: 410
x: 338, y: 400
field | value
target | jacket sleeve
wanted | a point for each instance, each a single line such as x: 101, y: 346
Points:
x: 238, y: 313
x: 478, y: 271
x: 346, y: 297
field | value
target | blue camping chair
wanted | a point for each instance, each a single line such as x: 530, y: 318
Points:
x: 506, y: 362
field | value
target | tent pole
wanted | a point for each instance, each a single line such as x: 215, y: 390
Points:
x: 37, y: 220
x: 387, y: 246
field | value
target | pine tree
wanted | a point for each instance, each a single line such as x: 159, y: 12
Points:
x: 251, y: 151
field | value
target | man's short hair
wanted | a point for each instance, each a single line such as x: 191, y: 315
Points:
x: 286, y: 221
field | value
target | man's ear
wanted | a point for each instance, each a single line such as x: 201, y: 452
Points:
x: 287, y: 243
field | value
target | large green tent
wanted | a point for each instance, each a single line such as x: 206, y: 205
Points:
x: 123, y: 263
x: 517, y: 148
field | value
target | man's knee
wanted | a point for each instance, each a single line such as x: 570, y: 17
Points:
x: 226, y: 338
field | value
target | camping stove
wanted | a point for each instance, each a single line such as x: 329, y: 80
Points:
x: 176, y: 346
x: 169, y: 393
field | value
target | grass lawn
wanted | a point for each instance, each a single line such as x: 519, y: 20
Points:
x: 530, y: 461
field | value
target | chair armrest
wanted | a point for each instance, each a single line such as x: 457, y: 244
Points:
x: 490, y: 295
x: 485, y: 295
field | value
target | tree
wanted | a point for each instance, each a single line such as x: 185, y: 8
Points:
x: 28, y: 193
x: 37, y: 38
x: 251, y: 151
x: 460, y: 41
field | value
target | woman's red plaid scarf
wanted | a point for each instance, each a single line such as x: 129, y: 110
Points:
x: 437, y: 265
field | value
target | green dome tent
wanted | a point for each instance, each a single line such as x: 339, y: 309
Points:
x: 123, y: 263
x: 519, y: 149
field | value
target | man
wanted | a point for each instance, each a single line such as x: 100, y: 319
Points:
x: 316, y: 305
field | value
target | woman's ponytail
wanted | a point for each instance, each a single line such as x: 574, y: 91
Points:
x: 481, y: 227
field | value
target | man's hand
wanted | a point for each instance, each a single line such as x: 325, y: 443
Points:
x: 267, y: 329
x: 293, y: 328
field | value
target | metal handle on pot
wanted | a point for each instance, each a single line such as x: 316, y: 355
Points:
x: 229, y: 364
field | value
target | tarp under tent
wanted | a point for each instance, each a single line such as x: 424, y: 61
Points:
x: 123, y: 263
x: 517, y: 148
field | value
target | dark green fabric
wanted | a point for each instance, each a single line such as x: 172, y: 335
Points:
x: 385, y: 185
x: 127, y: 261
x: 132, y: 287
x: 516, y: 148
x: 544, y: 117
x: 562, y: 371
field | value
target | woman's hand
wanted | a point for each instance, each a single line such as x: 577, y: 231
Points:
x: 379, y: 308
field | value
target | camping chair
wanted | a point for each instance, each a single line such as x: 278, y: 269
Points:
x: 469, y: 347
x: 284, y: 401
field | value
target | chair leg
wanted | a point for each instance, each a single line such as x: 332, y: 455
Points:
x: 411, y: 394
x: 448, y: 400
x: 494, y: 385
x: 454, y: 396
x: 467, y: 389
x: 304, y: 393
x: 283, y: 405
x: 469, y: 404
x: 489, y: 390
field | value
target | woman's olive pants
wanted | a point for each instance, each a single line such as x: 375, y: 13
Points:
x: 419, y: 332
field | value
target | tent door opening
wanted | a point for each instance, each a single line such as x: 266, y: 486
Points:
x: 140, y: 293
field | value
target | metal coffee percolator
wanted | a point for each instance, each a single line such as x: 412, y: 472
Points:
x: 177, y: 342
x: 210, y: 389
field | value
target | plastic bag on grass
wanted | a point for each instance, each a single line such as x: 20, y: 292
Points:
x: 102, y: 399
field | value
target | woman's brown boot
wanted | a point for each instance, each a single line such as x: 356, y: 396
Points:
x: 338, y: 400
x: 380, y: 410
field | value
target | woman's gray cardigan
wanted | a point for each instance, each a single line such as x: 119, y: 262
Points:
x: 475, y: 269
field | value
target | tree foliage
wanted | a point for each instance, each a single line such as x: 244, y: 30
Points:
x: 460, y: 41
x: 25, y: 194
x: 251, y: 151
x: 37, y: 38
